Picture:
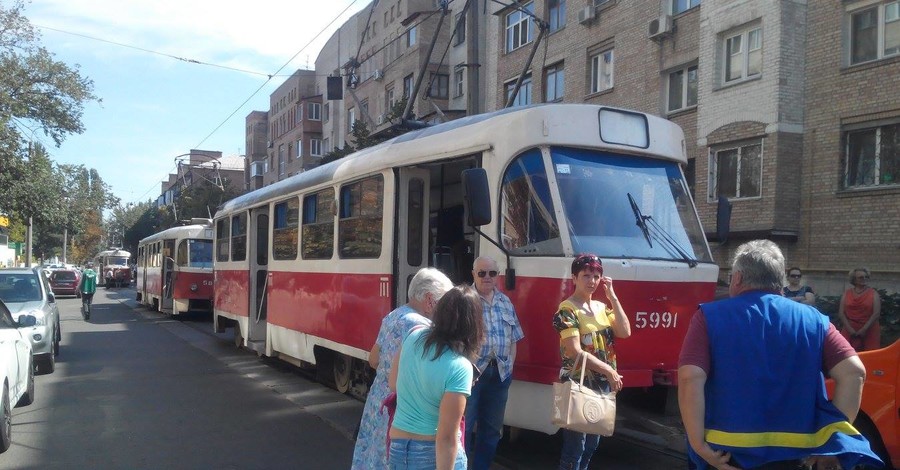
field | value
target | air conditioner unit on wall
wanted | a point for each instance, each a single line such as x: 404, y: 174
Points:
x: 660, y: 27
x: 378, y: 75
x: 586, y: 14
x: 380, y: 119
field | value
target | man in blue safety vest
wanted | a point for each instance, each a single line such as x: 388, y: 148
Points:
x: 751, y: 385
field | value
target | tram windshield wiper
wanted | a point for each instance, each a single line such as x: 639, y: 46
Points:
x: 660, y: 234
x: 640, y: 219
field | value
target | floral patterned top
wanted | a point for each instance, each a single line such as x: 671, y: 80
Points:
x: 596, y: 337
x: 370, y: 450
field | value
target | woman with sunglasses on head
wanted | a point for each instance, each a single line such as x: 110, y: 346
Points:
x: 432, y: 375
x: 859, y: 312
x: 797, y: 292
x: 588, y: 328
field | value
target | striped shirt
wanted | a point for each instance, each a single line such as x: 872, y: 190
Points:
x: 501, y: 331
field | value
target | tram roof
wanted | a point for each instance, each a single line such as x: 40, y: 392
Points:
x: 475, y: 133
x: 113, y: 253
x: 174, y: 231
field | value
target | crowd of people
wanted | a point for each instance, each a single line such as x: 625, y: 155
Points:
x: 444, y: 363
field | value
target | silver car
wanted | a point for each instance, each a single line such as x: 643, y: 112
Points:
x: 26, y: 291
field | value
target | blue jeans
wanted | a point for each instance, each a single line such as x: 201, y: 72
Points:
x: 484, y: 414
x: 409, y: 454
x: 578, y: 447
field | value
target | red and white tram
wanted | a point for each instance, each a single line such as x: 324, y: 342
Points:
x: 112, y: 268
x: 175, y: 269
x: 306, y: 268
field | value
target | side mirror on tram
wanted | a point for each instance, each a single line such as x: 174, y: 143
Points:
x: 476, y: 196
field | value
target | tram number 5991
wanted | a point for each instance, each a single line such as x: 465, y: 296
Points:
x: 655, y: 320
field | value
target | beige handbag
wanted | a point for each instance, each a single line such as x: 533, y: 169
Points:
x: 578, y: 408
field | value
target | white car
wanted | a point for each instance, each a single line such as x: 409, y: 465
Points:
x: 26, y: 291
x: 17, y: 368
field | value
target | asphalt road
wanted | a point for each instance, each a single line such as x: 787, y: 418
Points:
x: 134, y: 389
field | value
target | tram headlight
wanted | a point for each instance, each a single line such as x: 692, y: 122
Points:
x: 193, y: 287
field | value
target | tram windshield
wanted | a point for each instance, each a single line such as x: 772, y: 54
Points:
x: 605, y: 195
x: 200, y: 253
x: 117, y: 260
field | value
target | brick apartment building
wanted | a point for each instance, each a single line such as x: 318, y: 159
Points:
x: 202, y: 165
x: 789, y: 108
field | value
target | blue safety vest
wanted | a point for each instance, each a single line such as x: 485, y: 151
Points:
x: 765, y: 391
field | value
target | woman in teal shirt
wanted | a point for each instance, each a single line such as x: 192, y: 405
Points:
x: 432, y: 376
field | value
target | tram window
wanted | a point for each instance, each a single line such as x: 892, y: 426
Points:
x: 181, y: 254
x: 284, y: 234
x: 360, y: 226
x: 239, y: 237
x: 222, y: 238
x: 200, y: 253
x: 528, y: 220
x: 318, y: 225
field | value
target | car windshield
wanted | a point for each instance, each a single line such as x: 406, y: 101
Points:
x: 62, y: 276
x: 597, y: 190
x: 15, y: 287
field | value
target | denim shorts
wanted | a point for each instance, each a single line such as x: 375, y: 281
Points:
x: 410, y: 454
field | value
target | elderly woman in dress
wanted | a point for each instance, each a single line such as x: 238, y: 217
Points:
x: 425, y: 289
x: 859, y: 311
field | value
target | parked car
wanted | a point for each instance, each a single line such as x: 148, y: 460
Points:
x: 17, y: 367
x: 65, y: 281
x: 26, y: 291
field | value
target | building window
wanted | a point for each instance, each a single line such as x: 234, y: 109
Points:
x: 459, y: 78
x: 460, y: 31
x: 682, y: 89
x: 440, y: 86
x: 875, y: 32
x: 407, y: 85
x: 554, y: 83
x: 524, y: 96
x: 518, y: 27
x: 597, y: 3
x: 299, y: 148
x: 351, y: 119
x: 737, y: 171
x: 360, y: 222
x: 314, y: 111
x: 872, y: 156
x: 326, y: 112
x: 315, y: 147
x: 681, y: 6
x: 556, y: 10
x: 317, y: 238
x: 281, y: 161
x: 743, y: 55
x: 411, y: 37
x: 326, y: 145
x: 284, y: 229
x: 602, y: 71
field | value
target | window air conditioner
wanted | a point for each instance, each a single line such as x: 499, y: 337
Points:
x: 660, y: 27
x: 586, y: 14
x: 378, y: 75
x: 380, y: 119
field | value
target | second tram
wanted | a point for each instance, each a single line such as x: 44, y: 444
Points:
x: 112, y: 268
x: 174, y: 269
x: 306, y: 268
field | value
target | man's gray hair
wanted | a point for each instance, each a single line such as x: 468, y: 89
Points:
x: 429, y: 280
x: 761, y: 265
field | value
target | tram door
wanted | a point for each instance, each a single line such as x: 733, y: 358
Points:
x: 168, y: 276
x: 413, y: 231
x: 259, y: 278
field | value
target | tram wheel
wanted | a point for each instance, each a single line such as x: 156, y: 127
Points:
x: 343, y: 366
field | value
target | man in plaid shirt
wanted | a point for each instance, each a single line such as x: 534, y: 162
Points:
x: 487, y: 404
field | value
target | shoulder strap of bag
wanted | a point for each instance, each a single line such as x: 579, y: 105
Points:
x: 584, y: 356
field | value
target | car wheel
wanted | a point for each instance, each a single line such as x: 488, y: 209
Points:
x: 49, y: 364
x: 28, y: 397
x: 867, y: 428
x: 5, y: 421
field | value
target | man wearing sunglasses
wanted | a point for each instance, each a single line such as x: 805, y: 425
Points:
x: 487, y: 404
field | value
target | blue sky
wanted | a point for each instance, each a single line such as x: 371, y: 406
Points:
x: 155, y: 107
